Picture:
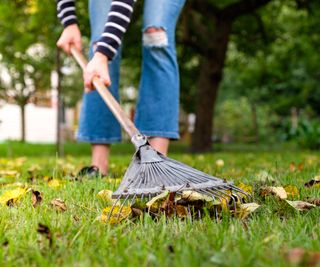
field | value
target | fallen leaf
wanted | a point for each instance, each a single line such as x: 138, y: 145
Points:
x: 292, y: 167
x: 314, y: 182
x: 59, y: 204
x: 246, y: 188
x: 314, y: 202
x: 55, y: 183
x: 36, y: 198
x: 302, y: 257
x: 265, y: 177
x: 9, y: 173
x: 191, y: 196
x: 34, y: 168
x: 106, y: 195
x: 244, y: 210
x: 12, y: 196
x: 118, y: 214
x: 278, y: 191
x: 220, y: 163
x: 181, y: 211
x: 292, y: 191
x: 300, y: 205
x: 155, y: 203
x: 44, y: 230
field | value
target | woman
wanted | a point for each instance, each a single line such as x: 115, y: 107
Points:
x: 158, y: 102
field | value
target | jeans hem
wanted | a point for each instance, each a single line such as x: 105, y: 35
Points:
x: 171, y: 135
x: 99, y: 140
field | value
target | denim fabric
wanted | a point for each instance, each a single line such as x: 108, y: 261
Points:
x: 157, y: 111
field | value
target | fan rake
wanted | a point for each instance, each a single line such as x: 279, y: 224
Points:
x: 151, y: 173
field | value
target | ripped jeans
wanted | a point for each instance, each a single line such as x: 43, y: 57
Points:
x: 157, y: 112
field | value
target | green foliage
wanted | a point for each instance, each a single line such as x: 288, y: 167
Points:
x: 307, y: 134
x: 237, y: 120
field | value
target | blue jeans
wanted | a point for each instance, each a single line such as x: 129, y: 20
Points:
x: 157, y: 112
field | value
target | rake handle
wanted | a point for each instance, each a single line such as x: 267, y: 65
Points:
x: 108, y: 98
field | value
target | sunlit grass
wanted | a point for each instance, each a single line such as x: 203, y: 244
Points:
x: 78, y: 239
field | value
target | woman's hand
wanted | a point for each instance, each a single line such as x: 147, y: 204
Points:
x: 70, y: 36
x: 97, y: 67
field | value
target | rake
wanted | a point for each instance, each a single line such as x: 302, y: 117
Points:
x: 150, y: 172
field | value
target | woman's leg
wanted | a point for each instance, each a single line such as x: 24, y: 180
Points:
x: 158, y: 104
x: 97, y: 124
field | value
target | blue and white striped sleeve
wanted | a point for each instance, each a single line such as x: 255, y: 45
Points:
x: 67, y: 12
x: 118, y: 21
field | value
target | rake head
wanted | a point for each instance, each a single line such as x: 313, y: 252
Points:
x: 151, y: 173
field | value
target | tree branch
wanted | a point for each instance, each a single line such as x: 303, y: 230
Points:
x: 242, y: 7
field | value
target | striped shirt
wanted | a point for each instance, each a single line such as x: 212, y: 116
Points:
x: 118, y: 21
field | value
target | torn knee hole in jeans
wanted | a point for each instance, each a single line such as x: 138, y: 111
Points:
x: 155, y: 37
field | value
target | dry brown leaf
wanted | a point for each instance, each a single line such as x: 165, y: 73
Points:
x: 36, y: 198
x: 45, y: 231
x: 300, y: 205
x: 314, y: 201
x: 277, y: 191
x: 181, y: 211
x: 12, y: 196
x: 155, y: 203
x: 118, y: 214
x: 314, y: 182
x: 302, y: 257
x: 59, y: 204
x: 292, y: 191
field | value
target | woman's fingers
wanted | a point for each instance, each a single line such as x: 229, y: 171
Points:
x: 97, y: 67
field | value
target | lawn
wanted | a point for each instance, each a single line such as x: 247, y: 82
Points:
x: 76, y: 238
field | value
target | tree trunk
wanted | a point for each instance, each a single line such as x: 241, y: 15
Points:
x: 23, y: 122
x: 211, y: 67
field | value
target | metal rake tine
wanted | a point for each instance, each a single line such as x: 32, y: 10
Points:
x: 241, y: 191
x: 121, y: 207
x: 232, y: 197
x: 113, y: 206
x: 133, y: 199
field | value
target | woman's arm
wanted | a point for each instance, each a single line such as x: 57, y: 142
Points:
x: 118, y: 21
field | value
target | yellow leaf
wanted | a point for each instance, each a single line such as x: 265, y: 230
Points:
x: 300, y: 205
x: 106, y: 195
x: 220, y: 163
x: 274, y: 190
x: 245, y: 209
x: 118, y: 214
x: 12, y: 196
x: 9, y: 173
x: 155, y: 203
x: 55, y: 183
x: 292, y: 191
x: 191, y: 196
x: 246, y: 188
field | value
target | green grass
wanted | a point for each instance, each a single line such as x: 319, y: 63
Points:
x: 79, y: 240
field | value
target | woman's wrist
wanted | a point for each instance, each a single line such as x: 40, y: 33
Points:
x: 101, y: 57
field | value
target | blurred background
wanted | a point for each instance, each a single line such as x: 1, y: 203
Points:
x: 250, y: 73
